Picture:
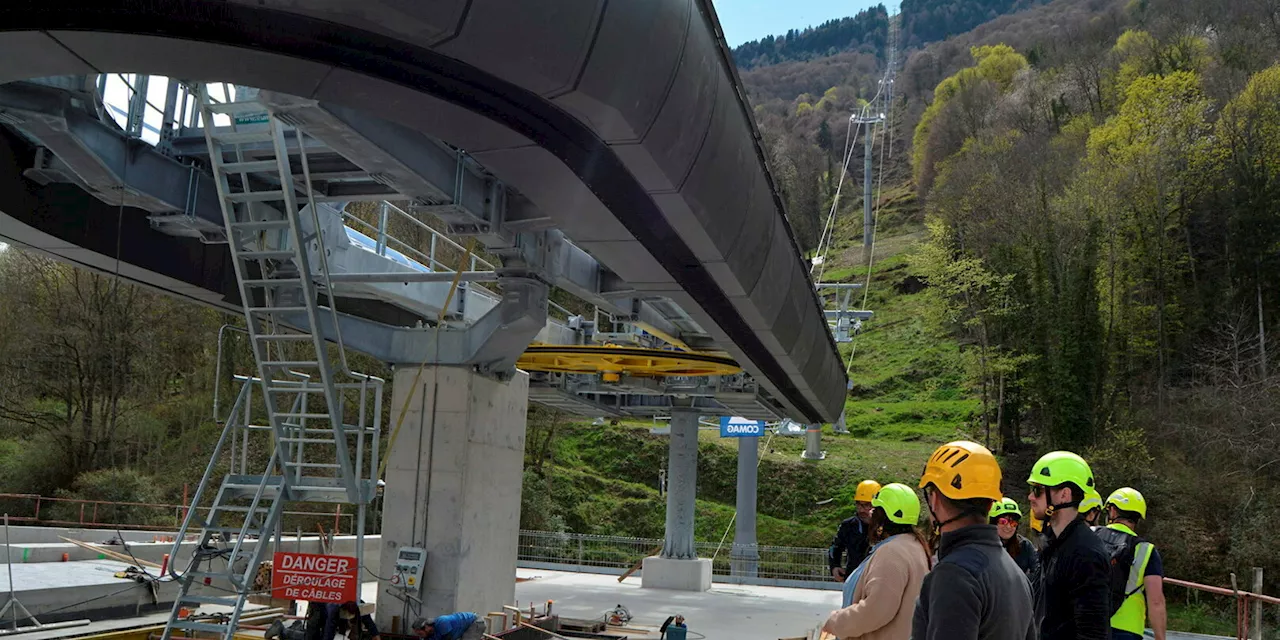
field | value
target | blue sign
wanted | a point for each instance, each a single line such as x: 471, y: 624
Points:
x: 735, y: 427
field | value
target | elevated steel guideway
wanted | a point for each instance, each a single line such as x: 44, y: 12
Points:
x: 620, y: 125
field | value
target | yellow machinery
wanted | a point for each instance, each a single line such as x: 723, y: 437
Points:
x: 612, y: 362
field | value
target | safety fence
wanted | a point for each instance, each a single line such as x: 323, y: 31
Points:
x: 584, y: 553
x: 33, y: 509
x: 1250, y: 621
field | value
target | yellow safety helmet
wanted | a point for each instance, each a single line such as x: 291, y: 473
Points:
x: 1092, y: 500
x: 867, y: 490
x: 899, y: 502
x: 963, y: 470
x: 1128, y: 499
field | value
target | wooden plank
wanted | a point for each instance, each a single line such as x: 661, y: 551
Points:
x: 636, y: 567
x: 114, y: 555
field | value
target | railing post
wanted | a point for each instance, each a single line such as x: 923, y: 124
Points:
x: 337, y: 519
x: 382, y: 229
x: 1257, y: 604
x: 581, y: 558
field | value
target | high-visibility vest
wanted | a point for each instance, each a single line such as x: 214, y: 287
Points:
x: 1132, y: 615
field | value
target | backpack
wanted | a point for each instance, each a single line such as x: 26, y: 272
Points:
x: 1122, y: 549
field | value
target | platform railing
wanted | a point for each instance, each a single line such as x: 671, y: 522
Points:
x: 35, y: 509
x: 585, y: 553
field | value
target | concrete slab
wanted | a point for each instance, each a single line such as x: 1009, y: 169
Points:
x: 53, y: 575
x: 673, y: 573
x: 722, y: 613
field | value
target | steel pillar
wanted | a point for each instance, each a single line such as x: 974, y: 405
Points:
x: 682, y: 474
x: 813, y: 443
x: 745, y: 557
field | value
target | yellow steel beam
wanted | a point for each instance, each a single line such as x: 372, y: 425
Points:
x: 612, y: 362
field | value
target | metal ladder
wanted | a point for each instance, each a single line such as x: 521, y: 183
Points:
x: 311, y: 460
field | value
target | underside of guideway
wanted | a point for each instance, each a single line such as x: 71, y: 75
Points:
x: 649, y: 165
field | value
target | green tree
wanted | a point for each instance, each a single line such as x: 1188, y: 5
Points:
x: 1139, y: 165
x: 1246, y: 154
x: 960, y: 106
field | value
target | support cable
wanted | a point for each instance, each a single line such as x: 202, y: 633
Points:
x: 828, y: 228
x: 875, y: 216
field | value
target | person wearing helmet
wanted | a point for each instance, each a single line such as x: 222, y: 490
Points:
x: 1072, y: 582
x: 1091, y: 508
x: 849, y: 546
x: 1006, y: 515
x: 880, y: 594
x: 1036, y: 535
x: 975, y: 591
x: 1137, y: 572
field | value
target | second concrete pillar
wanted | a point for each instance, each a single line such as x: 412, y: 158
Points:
x: 745, y: 557
x: 679, y: 566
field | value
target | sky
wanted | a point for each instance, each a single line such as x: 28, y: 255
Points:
x: 744, y: 20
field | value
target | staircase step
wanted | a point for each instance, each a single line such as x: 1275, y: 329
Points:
x: 284, y: 336
x: 310, y: 440
x: 260, y: 225
x: 270, y: 310
x: 312, y: 465
x: 273, y: 282
x: 231, y: 508
x: 289, y: 363
x: 226, y: 601
x: 256, y: 196
x: 267, y: 255
x: 234, y: 531
x: 251, y: 166
x: 315, y: 416
x: 240, y: 137
x: 230, y: 108
x: 208, y: 627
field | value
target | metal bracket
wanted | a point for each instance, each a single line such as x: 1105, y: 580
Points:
x: 492, y: 344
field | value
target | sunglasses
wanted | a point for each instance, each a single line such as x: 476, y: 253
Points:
x: 1038, y: 490
x: 1007, y: 521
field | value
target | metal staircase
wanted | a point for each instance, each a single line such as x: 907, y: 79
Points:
x: 323, y: 434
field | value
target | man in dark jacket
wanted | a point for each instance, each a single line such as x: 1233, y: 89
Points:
x: 976, y: 591
x: 850, y: 544
x: 1072, y: 585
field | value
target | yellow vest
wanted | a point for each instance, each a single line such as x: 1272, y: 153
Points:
x: 1132, y: 616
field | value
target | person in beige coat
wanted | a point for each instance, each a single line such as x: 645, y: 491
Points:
x: 880, y: 594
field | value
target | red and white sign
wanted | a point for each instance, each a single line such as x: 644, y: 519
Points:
x: 314, y: 578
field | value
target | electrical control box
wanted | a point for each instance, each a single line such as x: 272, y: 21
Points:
x: 408, y: 569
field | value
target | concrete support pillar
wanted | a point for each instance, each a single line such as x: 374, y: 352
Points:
x: 679, y: 566
x: 745, y: 557
x: 682, y: 486
x: 453, y: 488
x: 813, y: 443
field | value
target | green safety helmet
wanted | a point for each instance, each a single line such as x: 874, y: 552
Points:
x: 1128, y: 499
x: 1092, y: 500
x: 1005, y: 507
x: 899, y: 502
x: 1062, y: 467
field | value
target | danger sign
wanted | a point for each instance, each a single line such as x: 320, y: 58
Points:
x: 314, y: 578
